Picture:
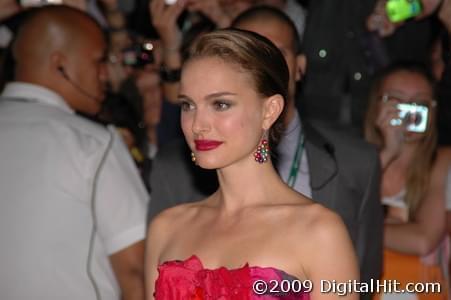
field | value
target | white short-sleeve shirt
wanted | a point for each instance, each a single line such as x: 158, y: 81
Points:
x: 48, y: 160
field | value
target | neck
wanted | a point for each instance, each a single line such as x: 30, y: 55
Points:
x: 247, y: 183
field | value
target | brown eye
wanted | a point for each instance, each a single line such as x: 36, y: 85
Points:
x: 186, y: 106
x: 221, y: 105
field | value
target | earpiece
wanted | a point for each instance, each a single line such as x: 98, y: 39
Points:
x: 76, y: 85
x: 63, y: 72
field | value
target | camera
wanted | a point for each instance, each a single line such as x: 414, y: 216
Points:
x: 400, y: 10
x: 414, y: 115
x: 138, y: 55
x: 34, y: 3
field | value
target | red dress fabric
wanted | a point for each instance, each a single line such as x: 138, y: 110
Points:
x: 189, y: 280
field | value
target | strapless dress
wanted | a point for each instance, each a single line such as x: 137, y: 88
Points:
x: 189, y: 280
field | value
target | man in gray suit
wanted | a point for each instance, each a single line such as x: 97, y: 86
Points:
x: 332, y: 167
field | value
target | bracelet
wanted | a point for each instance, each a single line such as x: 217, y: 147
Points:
x: 170, y: 75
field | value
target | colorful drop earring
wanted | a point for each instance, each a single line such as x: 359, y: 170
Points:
x: 262, y: 152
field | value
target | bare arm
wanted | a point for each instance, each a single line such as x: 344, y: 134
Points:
x: 156, y: 236
x: 332, y: 258
x: 422, y: 235
x: 164, y: 19
x: 128, y: 266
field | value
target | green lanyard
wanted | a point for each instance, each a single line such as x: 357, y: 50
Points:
x: 295, y: 165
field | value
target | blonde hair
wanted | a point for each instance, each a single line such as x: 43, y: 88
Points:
x: 419, y: 172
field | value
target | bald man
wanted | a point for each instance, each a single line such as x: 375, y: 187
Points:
x: 72, y: 203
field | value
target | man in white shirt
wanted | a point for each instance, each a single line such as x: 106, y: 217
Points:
x: 72, y: 205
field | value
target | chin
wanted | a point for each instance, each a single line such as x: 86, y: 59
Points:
x: 208, y: 164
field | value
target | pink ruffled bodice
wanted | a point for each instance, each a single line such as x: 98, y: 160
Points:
x: 189, y: 280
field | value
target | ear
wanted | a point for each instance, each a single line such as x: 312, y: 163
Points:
x: 57, y: 60
x: 272, y: 109
x: 301, y: 66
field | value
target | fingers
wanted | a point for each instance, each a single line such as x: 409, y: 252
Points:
x: 379, y: 22
x: 388, y: 112
x: 164, y: 19
x: 444, y: 14
x: 428, y: 8
x: 156, y: 8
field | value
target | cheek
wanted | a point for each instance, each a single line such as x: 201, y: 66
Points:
x: 186, y: 122
x: 244, y: 128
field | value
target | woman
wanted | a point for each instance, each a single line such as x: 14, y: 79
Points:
x: 232, y: 95
x: 401, y: 121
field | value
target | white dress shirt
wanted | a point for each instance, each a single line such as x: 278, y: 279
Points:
x: 286, y: 150
x: 48, y: 160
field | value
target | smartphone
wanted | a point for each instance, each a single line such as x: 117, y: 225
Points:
x: 138, y: 55
x: 400, y: 10
x: 34, y: 3
x: 415, y: 116
x: 170, y: 2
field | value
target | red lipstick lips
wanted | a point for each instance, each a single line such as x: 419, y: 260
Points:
x: 206, y: 145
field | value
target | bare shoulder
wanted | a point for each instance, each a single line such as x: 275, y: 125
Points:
x: 175, y: 217
x: 321, y: 222
x: 326, y: 250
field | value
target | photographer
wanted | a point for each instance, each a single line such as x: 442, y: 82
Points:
x: 135, y: 101
x: 414, y: 173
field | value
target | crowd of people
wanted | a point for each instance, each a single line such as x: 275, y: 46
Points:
x: 204, y: 149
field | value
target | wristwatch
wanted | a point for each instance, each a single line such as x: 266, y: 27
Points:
x: 170, y: 75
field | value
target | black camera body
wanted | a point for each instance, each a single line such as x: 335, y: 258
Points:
x: 138, y: 55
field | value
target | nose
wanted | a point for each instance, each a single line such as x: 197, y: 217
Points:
x: 201, y: 123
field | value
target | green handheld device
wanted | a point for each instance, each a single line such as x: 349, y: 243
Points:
x: 400, y: 10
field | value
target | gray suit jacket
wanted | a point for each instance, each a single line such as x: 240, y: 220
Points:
x: 344, y: 176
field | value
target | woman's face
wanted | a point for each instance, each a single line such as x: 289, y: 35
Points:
x: 408, y: 87
x: 222, y: 114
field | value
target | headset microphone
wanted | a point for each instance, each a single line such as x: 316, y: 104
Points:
x: 76, y: 86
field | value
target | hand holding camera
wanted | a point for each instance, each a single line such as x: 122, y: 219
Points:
x: 393, y: 134
x: 414, y: 116
x: 164, y: 19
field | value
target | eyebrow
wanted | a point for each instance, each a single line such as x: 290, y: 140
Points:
x: 210, y: 96
x: 220, y: 94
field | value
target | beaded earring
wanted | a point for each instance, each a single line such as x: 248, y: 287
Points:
x: 193, y: 157
x: 262, y: 152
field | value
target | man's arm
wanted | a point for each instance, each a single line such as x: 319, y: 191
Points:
x: 128, y: 266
